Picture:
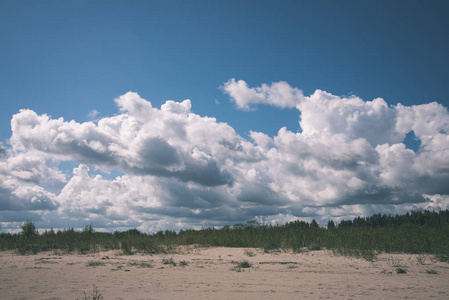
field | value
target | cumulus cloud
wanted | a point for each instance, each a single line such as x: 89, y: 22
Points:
x: 169, y: 142
x: 25, y: 184
x: 349, y: 150
x: 27, y: 181
x: 2, y: 151
x: 180, y: 169
x: 279, y: 94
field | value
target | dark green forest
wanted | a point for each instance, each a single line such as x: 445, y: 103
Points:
x: 417, y: 232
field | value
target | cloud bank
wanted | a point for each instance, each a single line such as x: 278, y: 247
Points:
x: 182, y: 170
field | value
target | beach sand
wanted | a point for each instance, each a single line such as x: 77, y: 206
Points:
x: 211, y: 273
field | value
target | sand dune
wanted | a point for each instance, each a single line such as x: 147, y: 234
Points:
x: 212, y: 273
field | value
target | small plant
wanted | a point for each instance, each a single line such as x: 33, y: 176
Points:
x: 421, y: 259
x: 183, y: 263
x: 169, y: 261
x: 140, y: 265
x: 95, y: 263
x: 145, y: 265
x: 401, y: 270
x: 241, y: 265
x: 244, y: 264
x: 431, y: 271
x: 393, y: 262
x: 95, y: 295
x: 249, y: 253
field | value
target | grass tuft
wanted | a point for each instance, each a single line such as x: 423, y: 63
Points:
x: 241, y: 265
x: 244, y: 264
x: 95, y: 295
x: 95, y: 263
x: 169, y: 261
x: 421, y: 259
x: 140, y: 265
x: 183, y: 263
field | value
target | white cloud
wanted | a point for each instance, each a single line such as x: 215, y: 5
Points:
x: 93, y: 114
x: 279, y: 94
x: 371, y: 120
x: 185, y: 170
x: 26, y: 181
x: 170, y: 142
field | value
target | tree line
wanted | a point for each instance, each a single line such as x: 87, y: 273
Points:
x: 413, y: 232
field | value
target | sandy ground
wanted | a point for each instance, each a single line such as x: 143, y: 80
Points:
x: 211, y: 273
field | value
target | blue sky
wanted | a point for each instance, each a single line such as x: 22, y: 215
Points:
x: 69, y: 58
x: 65, y: 58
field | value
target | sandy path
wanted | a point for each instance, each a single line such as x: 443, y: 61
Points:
x: 209, y: 274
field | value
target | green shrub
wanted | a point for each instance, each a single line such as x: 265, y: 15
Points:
x: 244, y: 264
x: 183, y: 263
x: 95, y: 263
x: 28, y: 229
x: 141, y: 265
x: 126, y: 248
x: 415, y: 232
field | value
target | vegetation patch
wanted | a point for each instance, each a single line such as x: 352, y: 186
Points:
x: 183, y: 263
x: 140, y: 265
x: 242, y: 265
x: 95, y: 263
x: 169, y: 261
x: 418, y: 232
x: 314, y: 247
x: 95, y: 295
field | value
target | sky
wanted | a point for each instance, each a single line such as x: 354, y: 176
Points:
x: 186, y: 114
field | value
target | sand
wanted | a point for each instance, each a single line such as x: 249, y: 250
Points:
x: 211, y: 273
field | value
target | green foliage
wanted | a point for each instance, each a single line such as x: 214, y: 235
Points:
x: 141, y: 265
x: 244, y: 264
x: 401, y: 270
x: 241, y: 265
x: 183, y: 263
x: 330, y: 225
x: 95, y: 263
x: 421, y: 233
x: 126, y: 248
x: 421, y: 259
x: 28, y: 229
x: 314, y: 247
